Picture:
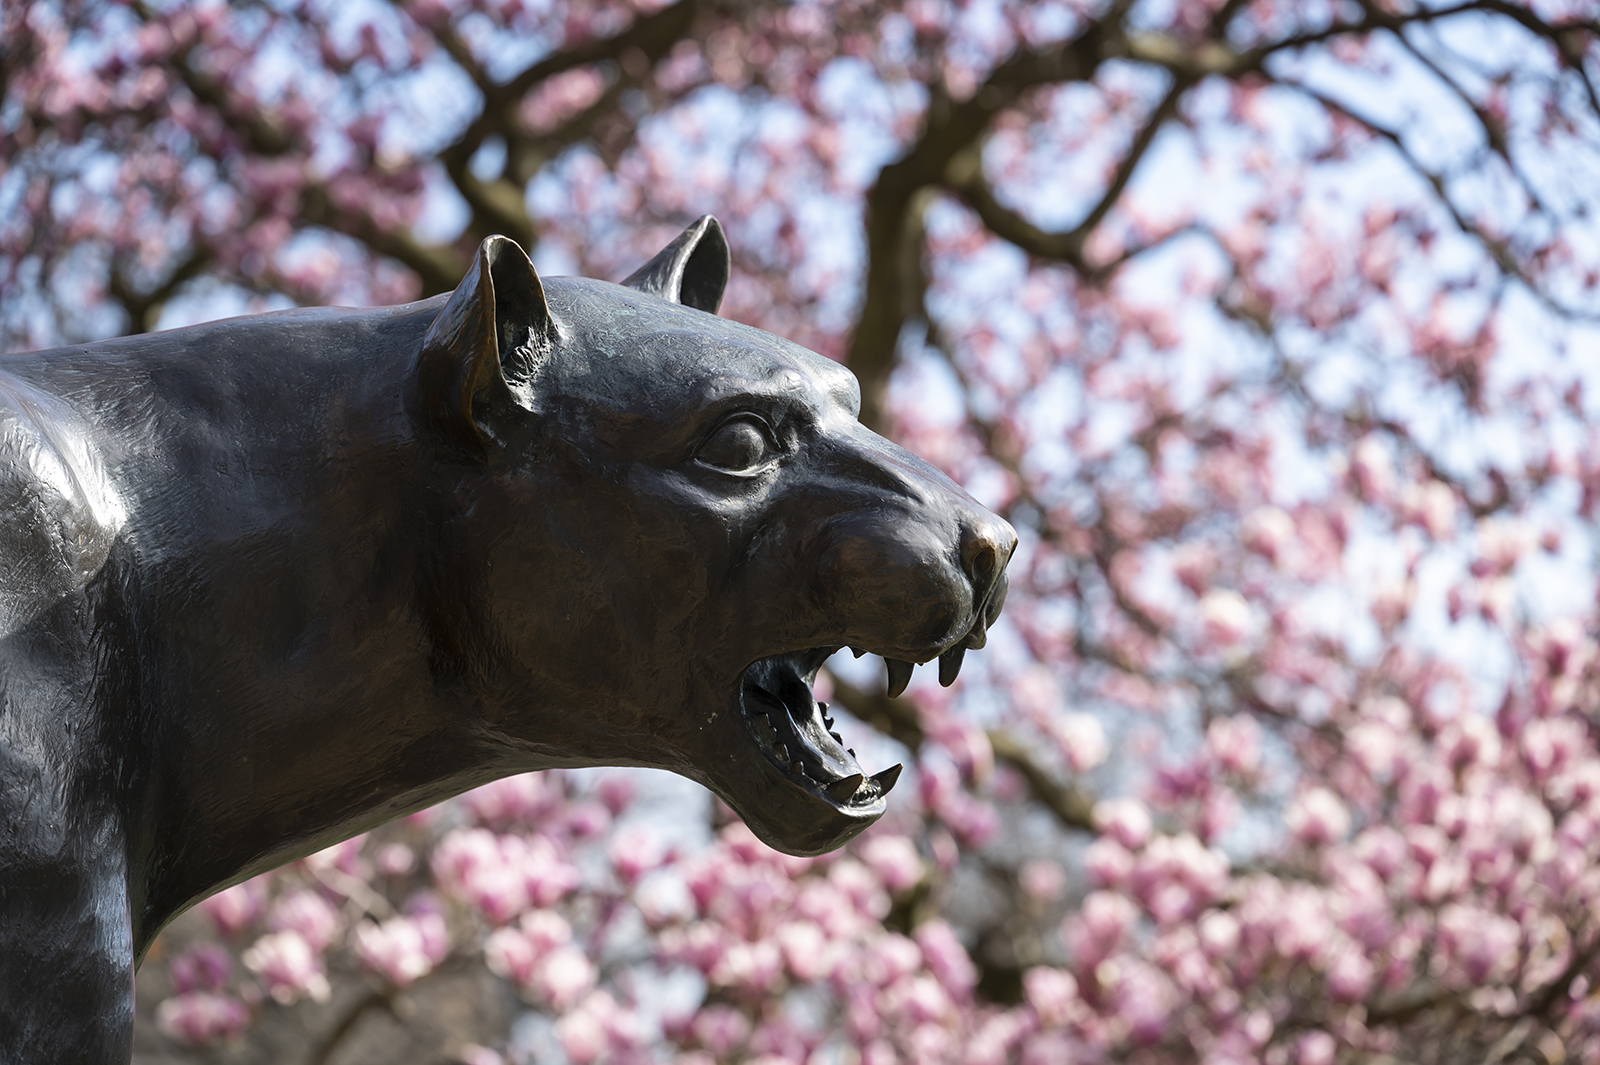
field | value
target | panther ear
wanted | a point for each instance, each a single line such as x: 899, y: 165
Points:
x: 485, y: 347
x: 692, y: 270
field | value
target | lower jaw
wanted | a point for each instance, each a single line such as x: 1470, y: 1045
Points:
x: 793, y: 734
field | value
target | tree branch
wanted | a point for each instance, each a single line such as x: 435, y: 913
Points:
x: 897, y: 718
x: 965, y: 178
x: 144, y: 308
x: 950, y: 128
x: 438, y: 266
x: 653, y: 36
x: 1498, y: 248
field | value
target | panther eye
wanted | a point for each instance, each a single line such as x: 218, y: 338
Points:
x: 740, y: 446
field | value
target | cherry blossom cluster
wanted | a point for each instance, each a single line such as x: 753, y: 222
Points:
x: 1265, y: 324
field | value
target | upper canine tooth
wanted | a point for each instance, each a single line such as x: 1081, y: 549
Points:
x: 977, y: 636
x: 950, y: 665
x: 842, y: 789
x: 997, y: 600
x: 899, y: 676
x: 886, y: 779
x: 858, y: 652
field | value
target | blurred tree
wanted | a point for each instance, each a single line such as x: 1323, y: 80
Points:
x: 1265, y: 323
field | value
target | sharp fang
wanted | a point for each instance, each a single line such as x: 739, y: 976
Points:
x: 852, y: 751
x: 885, y: 780
x: 899, y: 676
x: 836, y: 737
x: 858, y: 652
x: 950, y: 665
x: 842, y: 789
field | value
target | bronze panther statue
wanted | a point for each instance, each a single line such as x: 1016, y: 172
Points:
x: 268, y: 582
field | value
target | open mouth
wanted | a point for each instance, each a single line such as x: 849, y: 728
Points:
x: 795, y: 732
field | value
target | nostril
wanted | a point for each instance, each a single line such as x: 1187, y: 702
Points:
x: 982, y: 565
x: 981, y: 559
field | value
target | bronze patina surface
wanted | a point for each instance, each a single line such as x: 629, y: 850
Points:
x: 268, y: 582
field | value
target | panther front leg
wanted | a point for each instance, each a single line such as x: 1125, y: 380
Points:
x: 66, y: 943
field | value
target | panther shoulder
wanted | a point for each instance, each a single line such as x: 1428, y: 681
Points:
x: 59, y: 513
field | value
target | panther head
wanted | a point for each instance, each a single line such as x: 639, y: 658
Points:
x: 666, y: 522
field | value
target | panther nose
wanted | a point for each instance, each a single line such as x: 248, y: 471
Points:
x: 986, y: 546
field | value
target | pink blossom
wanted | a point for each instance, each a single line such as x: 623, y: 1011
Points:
x: 516, y: 952
x: 945, y: 957
x: 1481, y: 945
x: 1124, y: 820
x: 1042, y: 879
x: 234, y: 909
x: 1267, y: 531
x: 1175, y: 876
x: 1081, y: 739
x: 1193, y: 564
x: 1501, y: 542
x: 525, y: 798
x: 307, y: 913
x: 1432, y: 506
x: 892, y: 957
x: 1349, y: 974
x: 616, y: 792
x: 1235, y: 742
x: 583, y: 1037
x: 290, y: 967
x: 395, y: 859
x: 502, y: 876
x: 1052, y: 993
x: 1219, y: 933
x: 344, y: 857
x: 721, y: 1029
x: 750, y: 966
x: 403, y: 949
x: 634, y: 852
x: 201, y: 1017
x: 1098, y: 928
x: 895, y: 861
x: 585, y: 820
x: 1226, y: 617
x: 203, y: 967
x: 1143, y: 1001
x: 805, y: 949
x: 1373, y: 470
x: 564, y: 976
x: 1108, y: 863
x: 1550, y: 743
x: 1317, y: 816
x: 1315, y: 1048
x: 597, y: 1025
x: 1383, y: 849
